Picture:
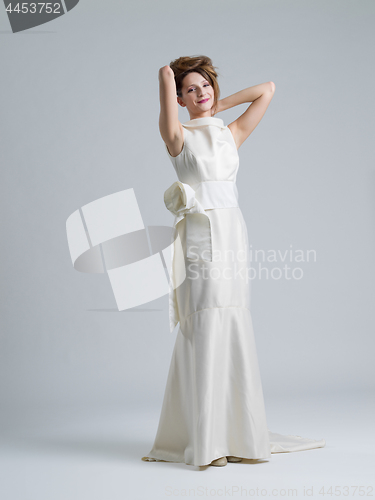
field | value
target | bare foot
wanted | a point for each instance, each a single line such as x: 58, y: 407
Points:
x: 219, y: 462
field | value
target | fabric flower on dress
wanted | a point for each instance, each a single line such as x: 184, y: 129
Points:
x: 180, y: 199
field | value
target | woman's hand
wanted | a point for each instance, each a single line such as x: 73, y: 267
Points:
x: 165, y: 70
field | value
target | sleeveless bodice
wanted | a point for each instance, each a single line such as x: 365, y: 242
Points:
x: 209, y: 152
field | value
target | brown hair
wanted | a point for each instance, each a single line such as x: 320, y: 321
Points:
x: 199, y: 64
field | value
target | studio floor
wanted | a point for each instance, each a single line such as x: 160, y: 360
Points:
x: 94, y: 453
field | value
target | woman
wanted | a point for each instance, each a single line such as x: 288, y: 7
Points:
x: 213, y: 408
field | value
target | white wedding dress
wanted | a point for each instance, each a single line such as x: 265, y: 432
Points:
x: 213, y: 403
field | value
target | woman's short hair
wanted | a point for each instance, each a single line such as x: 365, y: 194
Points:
x: 198, y: 64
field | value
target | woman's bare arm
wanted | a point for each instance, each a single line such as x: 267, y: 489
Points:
x: 169, y: 124
x: 260, y: 96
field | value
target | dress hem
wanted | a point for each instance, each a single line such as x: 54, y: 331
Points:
x: 268, y: 457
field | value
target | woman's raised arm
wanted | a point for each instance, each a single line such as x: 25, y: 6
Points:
x: 260, y: 96
x: 169, y: 124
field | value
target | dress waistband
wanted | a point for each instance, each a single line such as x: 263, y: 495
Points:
x: 216, y: 194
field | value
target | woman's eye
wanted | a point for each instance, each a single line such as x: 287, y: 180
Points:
x: 205, y: 85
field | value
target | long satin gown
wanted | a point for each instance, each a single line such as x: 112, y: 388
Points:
x: 213, y: 404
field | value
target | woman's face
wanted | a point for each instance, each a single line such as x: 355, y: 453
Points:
x: 197, y: 95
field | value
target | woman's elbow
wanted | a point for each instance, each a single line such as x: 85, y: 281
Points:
x: 272, y: 86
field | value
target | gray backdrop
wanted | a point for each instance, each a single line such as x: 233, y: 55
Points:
x: 80, y: 109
